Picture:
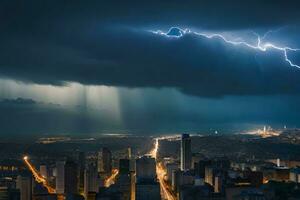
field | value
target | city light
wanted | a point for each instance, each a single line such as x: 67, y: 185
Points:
x: 160, y: 171
x: 38, y: 178
x: 111, y: 179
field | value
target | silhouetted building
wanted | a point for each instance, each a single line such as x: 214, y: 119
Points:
x: 146, y: 186
x: 188, y: 192
x: 24, y: 184
x: 170, y: 168
x: 81, y: 166
x: 106, y: 161
x: 145, y: 168
x: 244, y: 193
x: 180, y: 178
x: 111, y: 193
x: 71, y: 177
x: 200, y: 167
x: 123, y: 184
x: 147, y: 191
x: 295, y: 175
x: 215, y: 177
x: 44, y: 171
x: 60, y: 177
x: 255, y: 178
x: 7, y: 193
x: 124, y: 166
x: 45, y: 197
x: 91, y: 180
x: 185, y: 153
x: 74, y: 197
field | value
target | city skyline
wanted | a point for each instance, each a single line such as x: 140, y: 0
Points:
x: 150, y: 100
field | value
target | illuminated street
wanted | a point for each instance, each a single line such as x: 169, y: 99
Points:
x: 111, y: 179
x: 37, y: 176
x: 161, y: 172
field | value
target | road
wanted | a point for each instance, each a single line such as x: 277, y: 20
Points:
x: 38, y: 178
x: 161, y: 172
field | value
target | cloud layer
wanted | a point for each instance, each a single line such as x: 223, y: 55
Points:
x: 98, y: 43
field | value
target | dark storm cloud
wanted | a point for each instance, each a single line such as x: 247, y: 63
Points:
x: 107, y: 44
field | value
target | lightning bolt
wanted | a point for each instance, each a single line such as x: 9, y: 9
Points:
x: 176, y: 32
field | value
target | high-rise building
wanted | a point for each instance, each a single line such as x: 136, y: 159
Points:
x: 295, y: 175
x: 7, y: 193
x: 147, y: 191
x: 123, y: 185
x: 106, y: 161
x: 131, y: 160
x: 25, y: 187
x: 124, y: 166
x: 60, y: 177
x: 81, y: 166
x: 145, y: 168
x: 170, y: 168
x: 185, y: 153
x: 200, y: 167
x: 129, y: 153
x: 71, y: 177
x: 90, y: 180
x: 43, y: 171
x: 180, y: 178
x: 4, y: 193
x: 146, y: 186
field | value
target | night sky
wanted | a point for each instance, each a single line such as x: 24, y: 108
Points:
x: 92, y: 67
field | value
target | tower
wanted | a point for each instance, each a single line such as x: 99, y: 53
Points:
x: 71, y: 177
x: 185, y: 152
x: 90, y: 179
x: 60, y: 177
x: 106, y: 161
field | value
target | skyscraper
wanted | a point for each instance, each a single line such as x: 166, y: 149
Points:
x: 124, y: 166
x: 90, y: 180
x: 25, y: 187
x: 71, y: 177
x: 81, y: 166
x: 145, y: 168
x: 185, y: 152
x: 146, y: 186
x: 147, y: 191
x: 129, y: 152
x: 43, y: 171
x: 60, y: 177
x: 7, y: 193
x: 106, y: 161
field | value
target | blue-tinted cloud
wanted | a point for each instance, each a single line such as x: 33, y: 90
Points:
x: 108, y: 44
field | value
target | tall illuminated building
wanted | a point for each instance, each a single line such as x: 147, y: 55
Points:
x: 185, y: 153
x: 106, y: 161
